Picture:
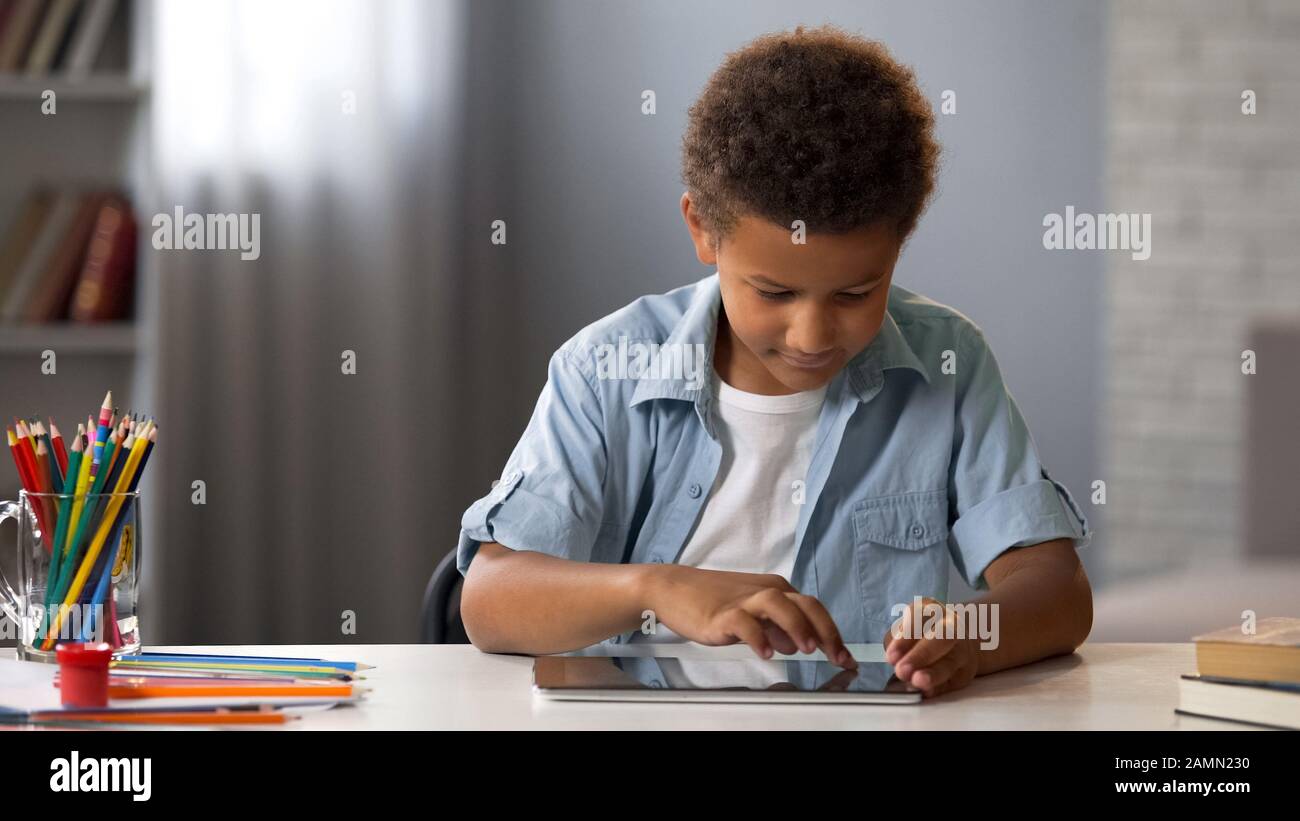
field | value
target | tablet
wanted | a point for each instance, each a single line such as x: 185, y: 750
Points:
x: 660, y: 678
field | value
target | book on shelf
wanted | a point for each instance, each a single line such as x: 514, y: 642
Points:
x: 22, y: 235
x: 70, y: 255
x: 104, y: 285
x: 41, y: 38
x: 20, y: 26
x: 88, y: 37
x: 1252, y: 678
x: 53, y: 289
x: 57, y: 20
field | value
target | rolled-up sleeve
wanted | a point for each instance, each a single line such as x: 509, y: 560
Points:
x: 549, y: 497
x: 1002, y: 495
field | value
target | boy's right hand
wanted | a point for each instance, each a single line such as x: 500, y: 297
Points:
x: 765, y: 611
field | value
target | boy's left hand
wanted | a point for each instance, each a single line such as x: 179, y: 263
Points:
x: 931, y: 665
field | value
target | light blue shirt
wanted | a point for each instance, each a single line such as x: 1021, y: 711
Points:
x: 921, y: 456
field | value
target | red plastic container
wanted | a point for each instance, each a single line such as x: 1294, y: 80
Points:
x: 83, y: 673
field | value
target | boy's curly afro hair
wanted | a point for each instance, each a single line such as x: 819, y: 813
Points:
x: 819, y: 125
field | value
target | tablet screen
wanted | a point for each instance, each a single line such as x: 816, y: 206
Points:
x: 671, y: 673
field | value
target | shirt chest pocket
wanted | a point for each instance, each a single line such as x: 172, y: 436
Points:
x: 899, y: 551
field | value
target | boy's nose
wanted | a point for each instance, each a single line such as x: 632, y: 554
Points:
x: 811, y: 337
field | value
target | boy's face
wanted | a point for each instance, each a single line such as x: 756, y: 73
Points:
x: 795, y: 314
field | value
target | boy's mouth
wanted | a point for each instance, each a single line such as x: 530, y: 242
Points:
x: 808, y: 362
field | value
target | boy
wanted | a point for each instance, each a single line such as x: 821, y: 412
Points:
x: 780, y: 453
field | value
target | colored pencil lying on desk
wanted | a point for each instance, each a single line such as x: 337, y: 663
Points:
x: 182, y: 677
x: 173, y: 717
x: 214, y: 673
x: 302, y: 669
x: 150, y: 690
x: 196, y: 657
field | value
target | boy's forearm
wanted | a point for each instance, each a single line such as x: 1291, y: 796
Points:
x: 1040, y: 614
x: 529, y: 602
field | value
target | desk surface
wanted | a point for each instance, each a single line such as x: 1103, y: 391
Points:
x: 434, y: 687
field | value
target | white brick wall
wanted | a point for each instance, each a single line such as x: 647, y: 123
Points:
x: 1223, y: 189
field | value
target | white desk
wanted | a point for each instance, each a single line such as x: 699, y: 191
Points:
x: 443, y: 687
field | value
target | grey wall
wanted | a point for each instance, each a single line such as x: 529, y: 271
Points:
x: 591, y: 197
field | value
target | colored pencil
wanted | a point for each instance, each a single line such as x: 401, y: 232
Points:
x: 101, y: 535
x: 81, y: 501
x: 106, y: 572
x: 76, y: 522
x: 219, y: 690
x: 306, y: 669
x: 45, y: 457
x: 19, y: 450
x: 43, y: 465
x: 90, y: 510
x: 40, y: 504
x: 206, y: 657
x: 219, y: 716
x: 27, y: 433
x: 15, y: 449
x: 101, y: 431
x: 45, y: 478
x: 231, y: 672
x: 65, y: 516
x: 60, y: 449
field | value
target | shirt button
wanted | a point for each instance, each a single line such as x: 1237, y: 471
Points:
x: 694, y: 491
x: 917, y: 530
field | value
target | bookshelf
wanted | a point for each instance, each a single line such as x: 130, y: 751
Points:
x: 109, y: 88
x: 99, y: 137
x: 100, y: 338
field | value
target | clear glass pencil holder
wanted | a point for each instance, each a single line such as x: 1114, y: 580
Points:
x: 78, y: 572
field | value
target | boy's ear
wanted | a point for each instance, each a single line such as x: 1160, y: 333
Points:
x: 705, y: 244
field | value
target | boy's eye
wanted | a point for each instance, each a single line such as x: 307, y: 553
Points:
x: 778, y: 296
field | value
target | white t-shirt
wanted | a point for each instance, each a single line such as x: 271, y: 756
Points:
x: 749, y: 519
x: 750, y: 516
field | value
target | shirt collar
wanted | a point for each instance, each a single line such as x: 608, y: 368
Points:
x: 699, y: 326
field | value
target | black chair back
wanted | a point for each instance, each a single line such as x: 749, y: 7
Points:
x: 440, y: 615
